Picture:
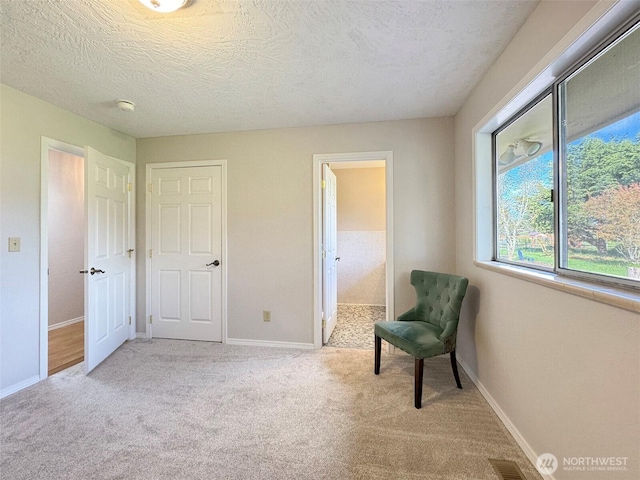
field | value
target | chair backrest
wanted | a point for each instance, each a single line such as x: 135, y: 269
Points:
x: 439, y: 298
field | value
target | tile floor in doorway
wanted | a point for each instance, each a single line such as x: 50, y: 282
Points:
x: 355, y: 325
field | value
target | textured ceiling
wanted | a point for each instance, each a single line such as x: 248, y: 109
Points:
x: 239, y: 65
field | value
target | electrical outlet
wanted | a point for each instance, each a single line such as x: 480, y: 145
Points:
x: 266, y: 315
x: 14, y: 244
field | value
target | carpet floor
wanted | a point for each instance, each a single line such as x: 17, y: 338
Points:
x: 164, y: 409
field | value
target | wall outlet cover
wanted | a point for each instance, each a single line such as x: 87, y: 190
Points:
x: 14, y: 244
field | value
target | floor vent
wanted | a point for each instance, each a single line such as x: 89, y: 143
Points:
x: 507, y: 470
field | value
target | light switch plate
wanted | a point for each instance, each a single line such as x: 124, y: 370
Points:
x: 14, y: 244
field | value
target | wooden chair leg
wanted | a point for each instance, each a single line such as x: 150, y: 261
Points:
x: 454, y: 367
x: 378, y: 348
x: 419, y: 368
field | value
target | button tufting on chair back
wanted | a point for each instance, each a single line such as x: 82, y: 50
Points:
x: 436, y: 294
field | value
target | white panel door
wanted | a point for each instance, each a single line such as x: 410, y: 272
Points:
x: 329, y: 250
x: 186, y: 251
x: 108, y: 265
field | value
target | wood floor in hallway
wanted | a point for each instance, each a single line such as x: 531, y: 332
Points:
x: 66, y: 347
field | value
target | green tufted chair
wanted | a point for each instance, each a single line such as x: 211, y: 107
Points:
x: 428, y: 329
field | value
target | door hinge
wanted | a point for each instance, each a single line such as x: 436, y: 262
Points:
x: 324, y: 254
x: 150, y: 252
x: 324, y: 184
x: 324, y: 323
x: 150, y: 319
x: 129, y: 187
x: 129, y: 320
x: 552, y: 196
x: 151, y: 187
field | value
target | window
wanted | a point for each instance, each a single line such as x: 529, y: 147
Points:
x: 591, y: 227
x: 524, y: 181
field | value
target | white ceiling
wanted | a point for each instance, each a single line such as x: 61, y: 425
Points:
x: 239, y: 65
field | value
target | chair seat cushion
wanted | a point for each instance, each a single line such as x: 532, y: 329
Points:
x: 420, y: 339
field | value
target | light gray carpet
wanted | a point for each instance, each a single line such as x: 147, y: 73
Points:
x: 164, y: 409
x: 354, y: 328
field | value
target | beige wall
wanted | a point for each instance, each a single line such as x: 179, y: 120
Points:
x: 270, y: 215
x: 361, y: 199
x: 361, y: 235
x: 23, y: 120
x: 66, y: 237
x: 563, y: 369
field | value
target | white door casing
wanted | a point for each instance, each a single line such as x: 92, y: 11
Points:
x: 329, y: 252
x: 186, y: 252
x: 108, y: 238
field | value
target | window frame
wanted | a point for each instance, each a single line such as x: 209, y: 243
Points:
x: 560, y: 207
x: 494, y: 175
x: 559, y: 183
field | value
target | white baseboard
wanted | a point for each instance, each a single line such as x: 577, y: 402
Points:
x: 269, y: 343
x: 19, y: 386
x: 142, y: 335
x: 66, y: 323
x: 515, y: 433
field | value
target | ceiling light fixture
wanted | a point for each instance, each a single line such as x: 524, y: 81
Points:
x: 509, y: 156
x: 527, y: 147
x: 165, y: 6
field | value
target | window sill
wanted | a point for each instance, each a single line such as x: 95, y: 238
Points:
x: 624, y: 299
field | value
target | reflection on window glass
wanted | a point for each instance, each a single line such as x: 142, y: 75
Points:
x: 602, y: 163
x: 524, y: 166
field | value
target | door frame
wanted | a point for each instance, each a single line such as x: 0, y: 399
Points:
x: 318, y: 160
x: 195, y: 163
x: 47, y: 144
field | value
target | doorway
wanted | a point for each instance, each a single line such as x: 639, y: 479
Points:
x: 66, y: 253
x: 364, y: 247
x: 87, y: 200
x: 361, y: 250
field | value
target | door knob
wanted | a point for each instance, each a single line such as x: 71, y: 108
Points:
x: 93, y: 271
x: 215, y: 263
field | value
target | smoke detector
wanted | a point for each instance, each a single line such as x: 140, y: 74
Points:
x: 126, y: 105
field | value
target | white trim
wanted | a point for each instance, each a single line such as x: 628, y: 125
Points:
x: 615, y: 297
x: 513, y: 430
x: 318, y: 160
x: 148, y: 333
x: 133, y: 289
x: 19, y: 386
x: 66, y: 323
x: 269, y: 343
x: 47, y: 144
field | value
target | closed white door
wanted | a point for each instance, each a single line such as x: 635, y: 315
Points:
x: 186, y: 253
x: 329, y: 250
x: 108, y: 265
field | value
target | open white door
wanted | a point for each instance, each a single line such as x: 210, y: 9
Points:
x: 329, y: 250
x: 108, y: 264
